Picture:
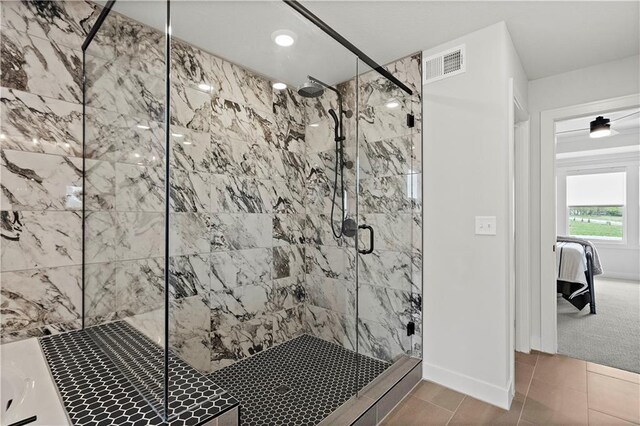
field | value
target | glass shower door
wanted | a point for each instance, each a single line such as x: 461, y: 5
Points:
x: 389, y: 213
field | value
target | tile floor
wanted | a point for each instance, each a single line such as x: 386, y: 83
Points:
x: 550, y: 390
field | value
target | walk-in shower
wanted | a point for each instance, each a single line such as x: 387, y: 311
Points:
x: 252, y: 213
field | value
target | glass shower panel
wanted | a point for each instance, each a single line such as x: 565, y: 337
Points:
x: 389, y: 213
x: 254, y: 261
x: 124, y: 197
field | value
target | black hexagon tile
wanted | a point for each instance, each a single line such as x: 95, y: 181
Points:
x: 299, y: 382
x: 113, y: 375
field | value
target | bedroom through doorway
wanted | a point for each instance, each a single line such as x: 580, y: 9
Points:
x: 597, y: 164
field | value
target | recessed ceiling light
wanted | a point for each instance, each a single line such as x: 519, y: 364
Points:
x: 187, y: 142
x: 284, y: 38
x: 143, y: 127
x: 177, y: 135
x: 279, y: 86
x: 135, y: 154
x: 3, y: 136
x: 392, y: 103
x: 314, y: 125
x: 204, y: 87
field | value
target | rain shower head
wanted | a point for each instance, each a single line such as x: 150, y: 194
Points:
x: 311, y: 89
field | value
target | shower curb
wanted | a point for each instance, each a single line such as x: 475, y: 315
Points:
x: 378, y: 398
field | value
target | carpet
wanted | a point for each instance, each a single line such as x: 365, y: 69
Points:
x: 612, y: 336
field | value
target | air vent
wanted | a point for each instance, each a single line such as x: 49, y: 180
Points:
x: 444, y: 64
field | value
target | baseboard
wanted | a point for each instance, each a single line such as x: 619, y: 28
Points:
x: 492, y: 394
x: 618, y: 276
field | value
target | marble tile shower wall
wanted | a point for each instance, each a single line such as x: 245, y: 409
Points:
x: 236, y: 209
x: 41, y: 166
x: 390, y: 279
x: 253, y: 262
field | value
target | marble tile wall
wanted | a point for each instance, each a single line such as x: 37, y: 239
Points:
x: 41, y: 166
x: 390, y: 279
x: 253, y: 261
x: 236, y: 207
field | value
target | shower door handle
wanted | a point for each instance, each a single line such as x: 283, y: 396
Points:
x: 371, y: 239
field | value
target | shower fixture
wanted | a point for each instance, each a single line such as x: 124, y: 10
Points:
x: 314, y: 88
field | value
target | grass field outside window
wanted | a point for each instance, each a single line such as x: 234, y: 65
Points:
x: 604, y: 222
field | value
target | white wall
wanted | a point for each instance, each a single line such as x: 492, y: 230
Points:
x: 466, y: 171
x: 604, y: 81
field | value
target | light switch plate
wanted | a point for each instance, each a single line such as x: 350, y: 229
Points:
x: 485, y: 225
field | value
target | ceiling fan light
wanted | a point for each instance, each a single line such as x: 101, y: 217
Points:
x: 600, y: 127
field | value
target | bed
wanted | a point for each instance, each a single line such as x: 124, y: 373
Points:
x: 577, y: 263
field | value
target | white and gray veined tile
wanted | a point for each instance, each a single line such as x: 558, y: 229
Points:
x: 140, y: 142
x: 140, y: 46
x: 190, y: 108
x: 384, y: 305
x: 240, y: 231
x: 331, y: 262
x: 139, y: 235
x: 317, y: 230
x: 190, y: 191
x: 391, y: 157
x: 288, y: 261
x: 241, y: 85
x: 66, y: 22
x: 100, y: 236
x: 139, y: 285
x: 190, y: 275
x: 330, y: 326
x: 288, y: 292
x: 34, y: 123
x: 103, y: 134
x: 40, y: 66
x: 236, y: 194
x: 189, y: 334
x: 279, y: 197
x: 382, y: 341
x: 376, y: 89
x: 231, y: 120
x: 38, y: 297
x: 386, y: 268
x: 34, y: 181
x: 230, y: 269
x: 329, y: 293
x: 189, y: 233
x: 288, y: 229
x: 390, y: 194
x: 139, y: 188
x: 392, y: 231
x: 36, y: 239
x: 191, y: 66
x: 378, y: 123
x: 188, y: 319
x: 100, y: 185
x: 191, y: 150
x: 99, y: 290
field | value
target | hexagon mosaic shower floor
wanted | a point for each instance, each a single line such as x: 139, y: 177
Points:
x: 299, y: 382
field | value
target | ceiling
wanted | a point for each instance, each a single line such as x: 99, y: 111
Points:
x: 551, y: 37
x: 624, y: 121
x: 573, y: 139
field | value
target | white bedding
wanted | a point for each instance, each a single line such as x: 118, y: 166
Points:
x: 571, y: 261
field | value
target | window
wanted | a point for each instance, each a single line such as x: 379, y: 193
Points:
x: 596, y: 205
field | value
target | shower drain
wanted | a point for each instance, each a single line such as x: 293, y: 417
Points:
x: 282, y: 389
